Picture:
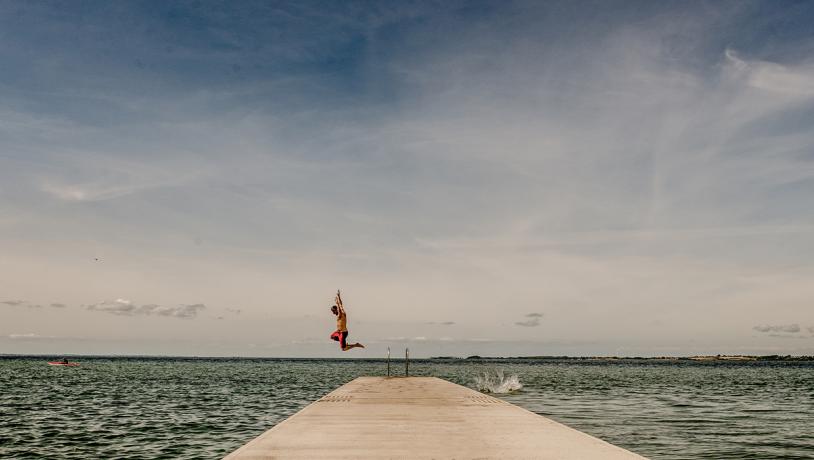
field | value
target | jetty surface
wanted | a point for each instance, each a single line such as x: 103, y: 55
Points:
x: 425, y: 418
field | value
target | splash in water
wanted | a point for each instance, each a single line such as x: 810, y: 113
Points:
x: 496, y: 382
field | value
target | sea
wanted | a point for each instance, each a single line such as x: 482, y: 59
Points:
x: 197, y: 408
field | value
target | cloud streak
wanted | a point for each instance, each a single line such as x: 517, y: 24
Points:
x: 123, y: 307
x: 792, y: 328
x: 14, y: 303
x: 20, y: 303
x: 31, y: 336
x: 796, y: 81
x: 533, y: 321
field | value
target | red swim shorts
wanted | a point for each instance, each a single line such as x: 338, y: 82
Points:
x: 341, y: 337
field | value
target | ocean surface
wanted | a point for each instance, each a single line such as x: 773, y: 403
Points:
x: 177, y: 408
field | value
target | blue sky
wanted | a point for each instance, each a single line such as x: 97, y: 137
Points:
x: 497, y: 178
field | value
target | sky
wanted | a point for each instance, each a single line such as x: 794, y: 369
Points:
x: 500, y: 178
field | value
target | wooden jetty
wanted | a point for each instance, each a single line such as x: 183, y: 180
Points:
x: 421, y: 418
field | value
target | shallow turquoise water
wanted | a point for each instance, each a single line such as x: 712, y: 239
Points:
x: 191, y: 409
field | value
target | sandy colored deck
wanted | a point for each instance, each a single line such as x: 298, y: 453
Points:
x: 421, y: 417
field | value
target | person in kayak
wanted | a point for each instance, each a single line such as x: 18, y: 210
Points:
x: 341, y: 333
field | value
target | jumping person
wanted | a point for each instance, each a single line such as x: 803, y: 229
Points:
x: 341, y: 333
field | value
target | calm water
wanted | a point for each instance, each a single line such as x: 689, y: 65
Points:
x: 175, y: 408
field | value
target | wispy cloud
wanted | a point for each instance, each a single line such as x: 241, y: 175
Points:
x: 118, y: 179
x: 123, y: 307
x: 785, y: 331
x: 20, y: 303
x: 14, y: 303
x: 116, y: 307
x: 443, y: 339
x: 86, y: 192
x: 528, y: 323
x: 30, y: 336
x: 533, y: 321
x: 795, y: 81
x: 780, y: 328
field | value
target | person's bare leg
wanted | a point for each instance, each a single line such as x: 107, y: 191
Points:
x: 353, y: 345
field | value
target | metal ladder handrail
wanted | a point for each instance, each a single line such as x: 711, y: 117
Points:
x: 406, y: 362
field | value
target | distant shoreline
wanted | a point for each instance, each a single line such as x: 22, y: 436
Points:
x: 474, y: 358
x: 642, y: 358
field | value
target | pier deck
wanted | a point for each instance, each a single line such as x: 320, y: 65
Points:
x: 421, y: 417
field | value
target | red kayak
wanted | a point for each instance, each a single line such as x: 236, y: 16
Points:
x: 62, y: 363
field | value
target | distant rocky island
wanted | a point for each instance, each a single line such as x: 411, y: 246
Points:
x: 638, y: 358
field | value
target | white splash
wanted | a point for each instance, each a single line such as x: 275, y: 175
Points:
x: 496, y: 382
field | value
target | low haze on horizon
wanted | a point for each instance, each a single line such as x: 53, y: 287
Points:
x: 485, y: 177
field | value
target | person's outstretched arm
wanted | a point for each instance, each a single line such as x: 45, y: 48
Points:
x: 339, y: 302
